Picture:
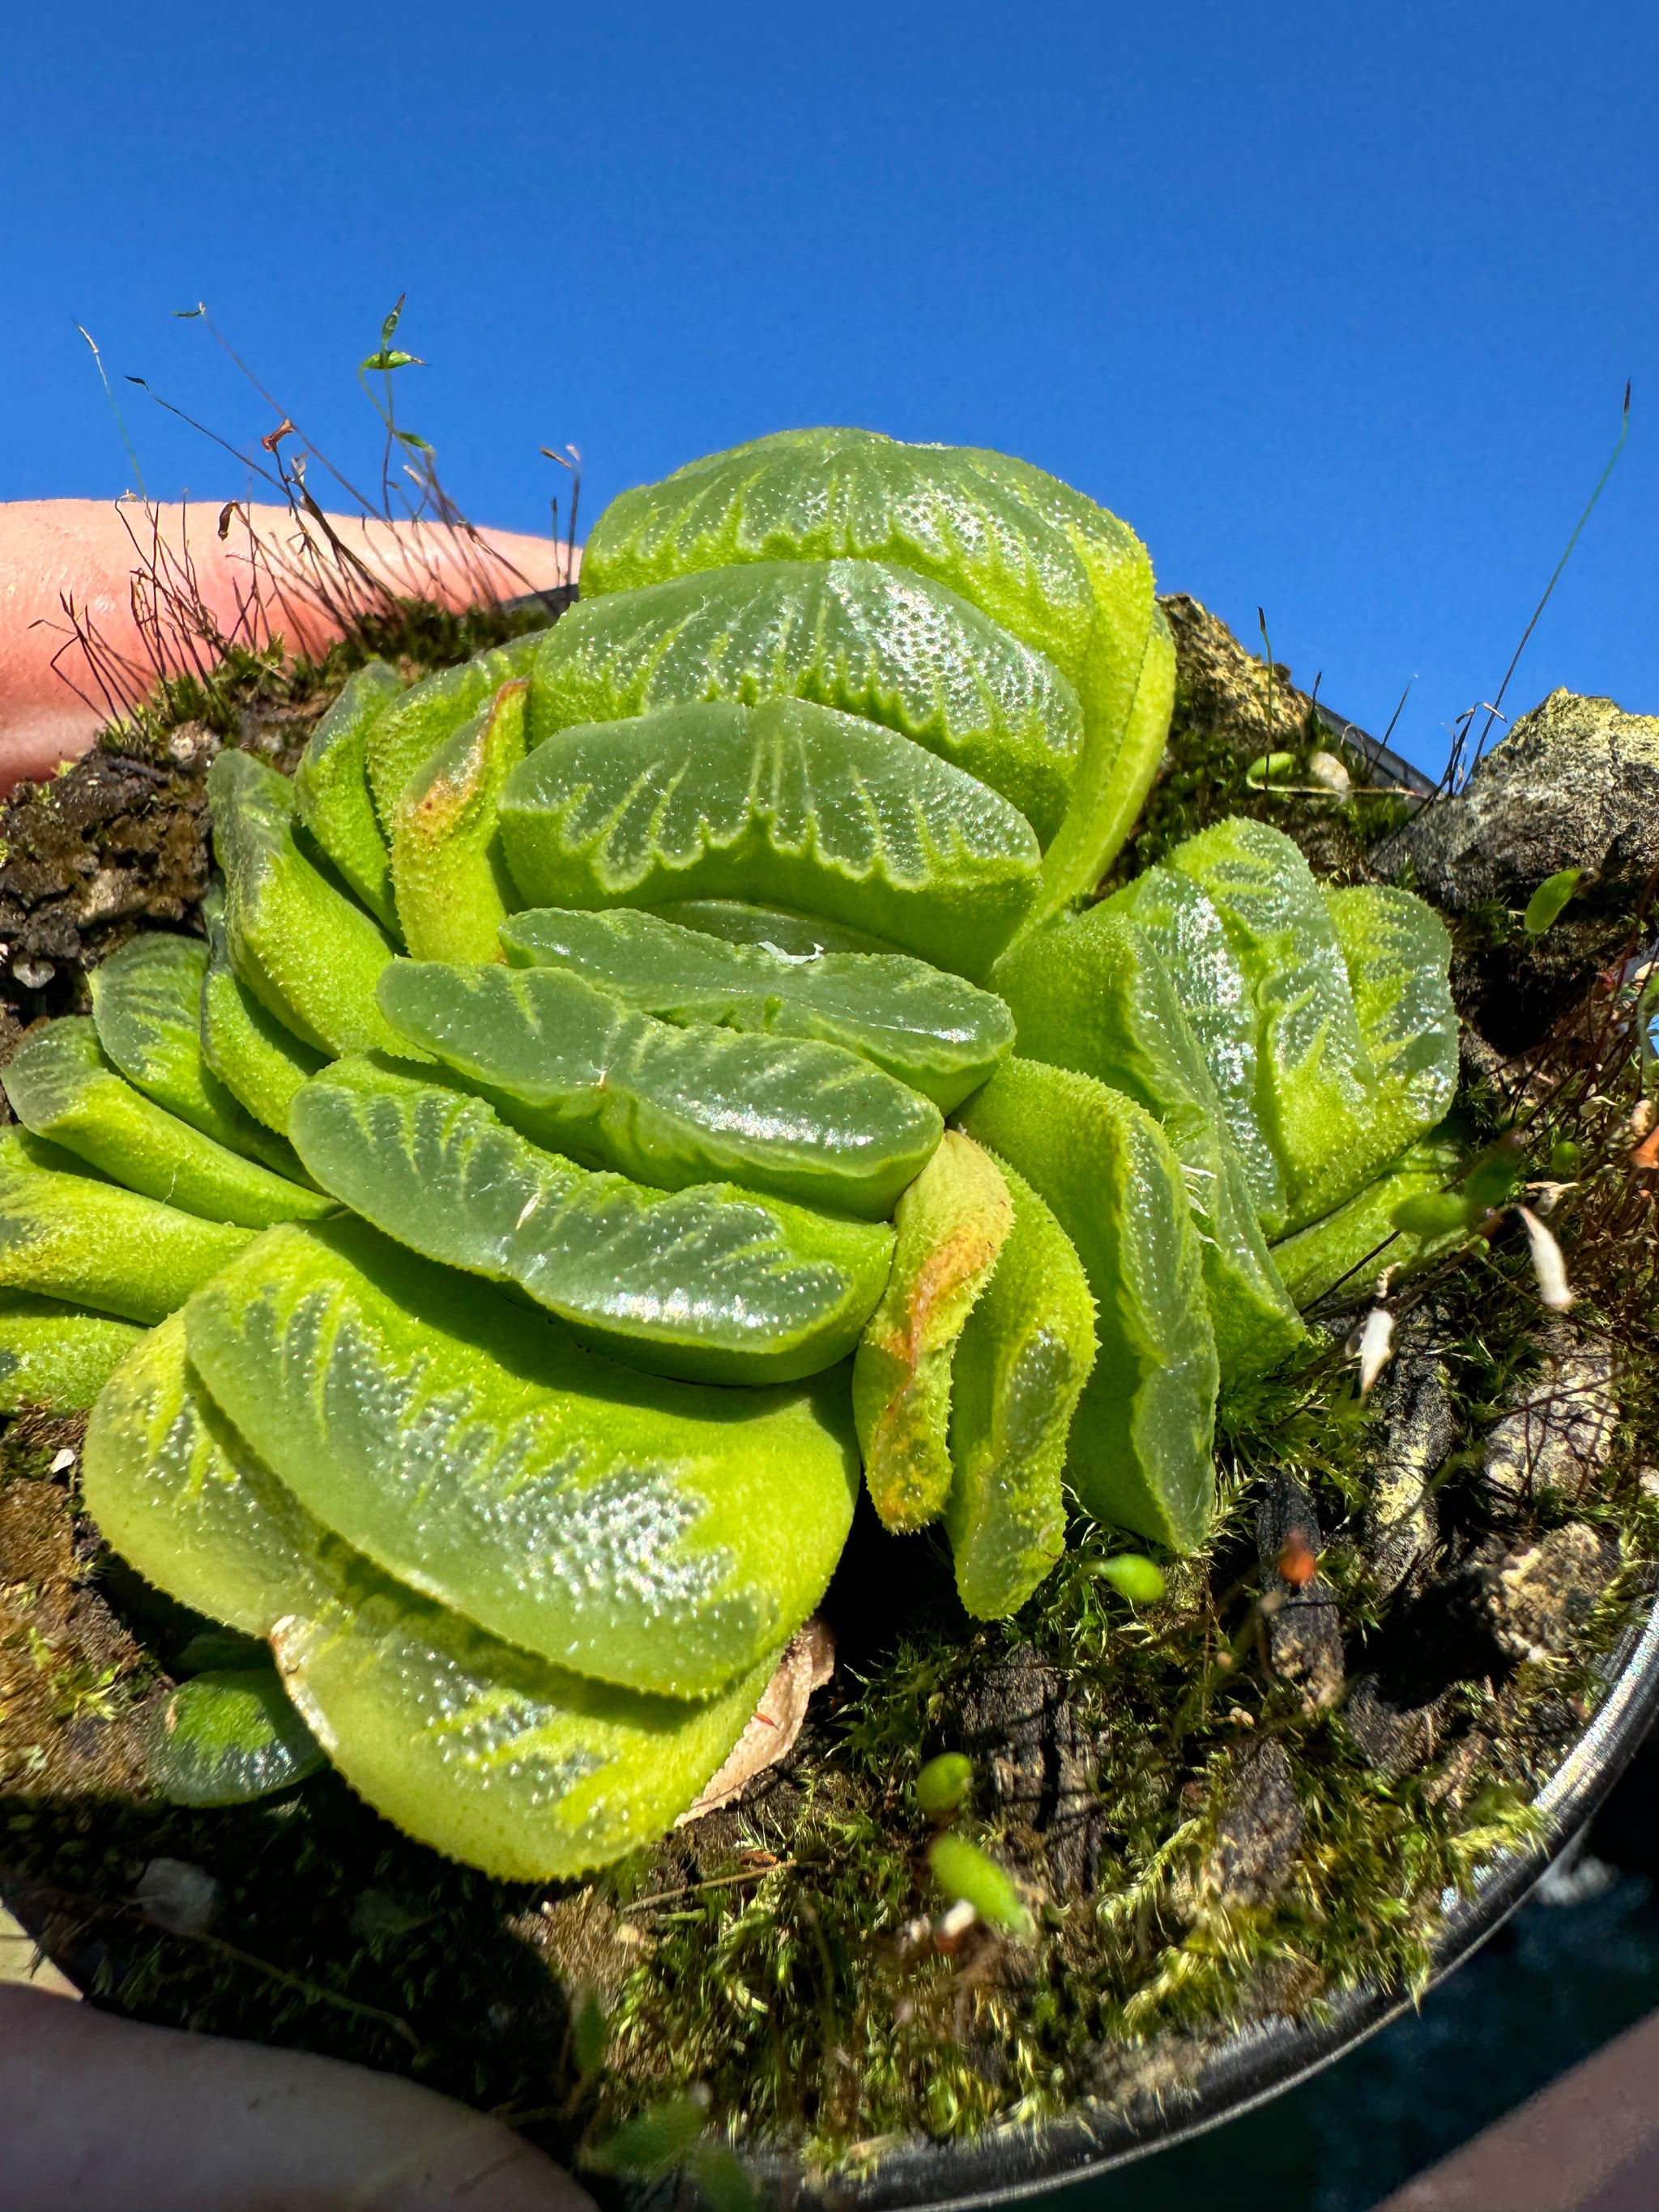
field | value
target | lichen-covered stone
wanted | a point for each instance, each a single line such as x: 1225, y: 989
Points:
x: 1558, y: 1430
x: 1574, y: 785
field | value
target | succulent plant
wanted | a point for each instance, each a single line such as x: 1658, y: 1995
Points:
x: 495, y: 1251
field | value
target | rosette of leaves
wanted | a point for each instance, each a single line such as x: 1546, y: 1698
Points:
x: 497, y: 1252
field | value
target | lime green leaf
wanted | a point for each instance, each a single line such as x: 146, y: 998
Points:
x: 1545, y: 905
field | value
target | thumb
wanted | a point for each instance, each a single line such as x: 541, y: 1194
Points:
x: 140, y: 580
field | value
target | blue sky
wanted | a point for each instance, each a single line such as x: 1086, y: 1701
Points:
x: 1335, y: 305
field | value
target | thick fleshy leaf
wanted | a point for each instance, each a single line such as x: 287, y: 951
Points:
x: 1215, y: 997
x: 258, y: 1059
x: 307, y: 953
x: 147, y: 1003
x: 1397, y: 955
x: 471, y: 1746
x: 227, y: 1739
x: 57, y: 1355
x: 452, y: 883
x: 739, y: 923
x: 1043, y: 560
x: 711, y: 1284
x: 952, y: 1223
x: 1351, y: 1248
x: 942, y: 1035
x: 881, y: 643
x: 651, y: 1532
x: 332, y: 796
x: 406, y: 736
x: 76, y: 1237
x: 1314, y: 1079
x: 1141, y: 1441
x: 62, y: 1088
x: 1021, y: 1363
x: 1117, y: 773
x: 788, y: 804
x: 1089, y: 992
x: 669, y: 1106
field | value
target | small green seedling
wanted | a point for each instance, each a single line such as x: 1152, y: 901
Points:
x: 1547, y: 902
x: 227, y: 1739
x: 943, y: 1785
x: 968, y: 1876
x: 1132, y: 1576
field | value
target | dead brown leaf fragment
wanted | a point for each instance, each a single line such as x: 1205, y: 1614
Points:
x: 808, y: 1662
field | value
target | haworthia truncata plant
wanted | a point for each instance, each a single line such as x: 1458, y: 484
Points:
x: 606, y: 996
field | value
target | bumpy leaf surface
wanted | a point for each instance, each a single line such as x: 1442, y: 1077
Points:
x: 1351, y: 1246
x: 259, y: 1059
x: 62, y: 1087
x: 147, y: 1003
x: 788, y: 804
x: 952, y: 1223
x: 1215, y: 997
x: 669, y: 1106
x: 57, y: 1355
x: 935, y: 1031
x: 76, y: 1237
x: 1116, y: 774
x: 656, y: 1534
x: 1314, y: 1079
x: 474, y: 1748
x: 1397, y: 955
x: 452, y: 883
x: 227, y: 1739
x: 429, y: 712
x: 710, y: 1283
x: 1023, y: 1357
x: 305, y: 951
x: 739, y: 921
x: 1141, y: 1441
x: 881, y: 643
x: 331, y: 788
x: 1043, y: 560
x: 1090, y: 993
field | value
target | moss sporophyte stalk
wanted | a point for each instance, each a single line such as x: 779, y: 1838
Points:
x: 761, y: 1084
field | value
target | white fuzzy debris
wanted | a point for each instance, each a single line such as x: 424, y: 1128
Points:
x: 63, y: 1462
x: 1375, y: 1348
x: 1641, y: 1119
x: 1326, y: 769
x: 955, y: 1923
x: 1551, y: 1269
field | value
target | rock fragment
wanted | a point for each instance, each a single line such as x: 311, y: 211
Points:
x: 1539, y: 1598
x: 1573, y: 784
x: 1304, y: 1632
x: 1258, y: 1832
x: 1559, y: 1431
x: 1400, y: 1521
x: 1038, y: 1757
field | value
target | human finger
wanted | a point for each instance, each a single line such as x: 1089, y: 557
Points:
x: 271, y: 572
x: 107, y: 2115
